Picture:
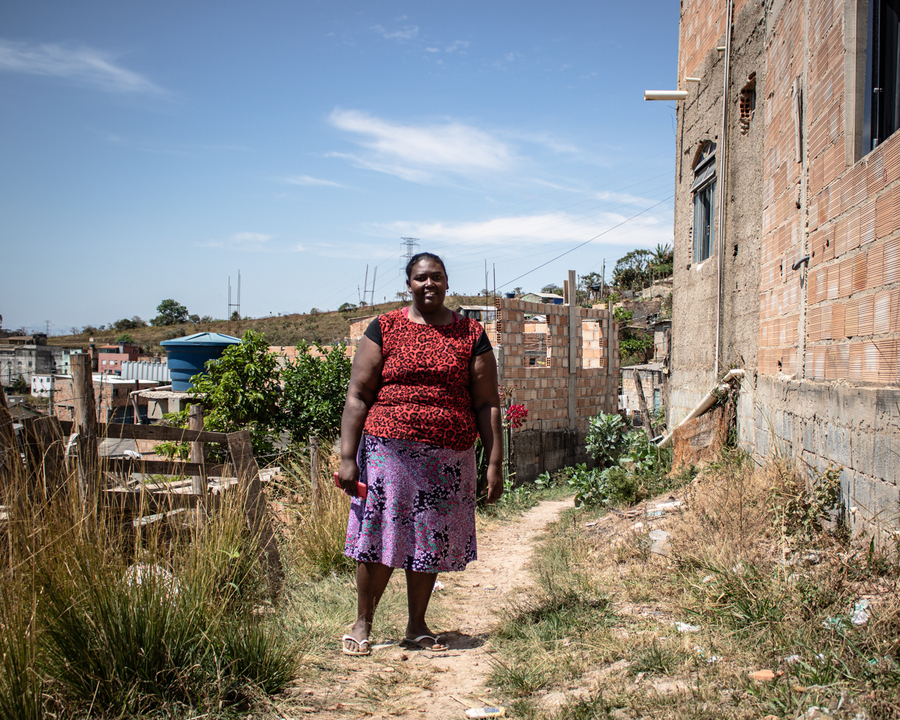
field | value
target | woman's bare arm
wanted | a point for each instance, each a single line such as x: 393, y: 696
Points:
x: 486, y: 405
x: 365, y: 380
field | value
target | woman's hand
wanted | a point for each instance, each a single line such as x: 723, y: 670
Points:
x: 495, y: 483
x: 348, y: 476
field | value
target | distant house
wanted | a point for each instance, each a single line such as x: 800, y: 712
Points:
x: 481, y: 313
x: 651, y: 375
x: 549, y: 298
x: 23, y: 356
x: 111, y: 357
x: 112, y: 398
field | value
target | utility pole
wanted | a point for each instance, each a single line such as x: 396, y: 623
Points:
x: 602, y: 278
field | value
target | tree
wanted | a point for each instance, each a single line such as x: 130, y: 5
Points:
x: 631, y: 271
x: 555, y: 289
x: 129, y: 324
x: 314, y: 392
x: 590, y: 285
x: 125, y: 338
x: 347, y: 307
x: 170, y: 312
x: 194, y: 319
x: 241, y: 390
x: 663, y: 261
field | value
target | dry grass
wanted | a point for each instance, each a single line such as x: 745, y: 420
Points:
x: 758, y: 595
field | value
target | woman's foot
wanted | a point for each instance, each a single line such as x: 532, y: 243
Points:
x: 424, y: 639
x: 356, y: 642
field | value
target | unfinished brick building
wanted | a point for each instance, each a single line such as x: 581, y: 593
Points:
x: 787, y: 232
x: 566, y: 370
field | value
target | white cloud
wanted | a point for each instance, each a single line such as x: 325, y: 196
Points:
x: 309, y: 180
x: 407, y: 32
x: 81, y: 64
x: 417, y: 152
x: 251, y: 238
x: 458, y: 45
x: 405, y: 173
x: 432, y: 49
x: 518, y: 232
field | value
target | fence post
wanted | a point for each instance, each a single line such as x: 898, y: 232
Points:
x: 9, y: 449
x: 573, y: 324
x: 314, y: 467
x: 255, y: 507
x: 198, y: 482
x: 86, y: 427
x: 642, y: 402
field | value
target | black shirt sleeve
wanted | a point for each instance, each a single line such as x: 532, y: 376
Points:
x: 373, y: 332
x: 482, y: 346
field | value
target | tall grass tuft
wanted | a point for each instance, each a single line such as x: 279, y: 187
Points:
x: 100, y: 616
x: 21, y: 683
x: 318, y: 543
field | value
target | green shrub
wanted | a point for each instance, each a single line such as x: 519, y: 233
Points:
x: 606, y: 438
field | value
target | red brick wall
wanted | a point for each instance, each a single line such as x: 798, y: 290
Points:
x: 545, y: 390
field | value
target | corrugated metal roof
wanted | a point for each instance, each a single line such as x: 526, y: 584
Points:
x: 140, y: 370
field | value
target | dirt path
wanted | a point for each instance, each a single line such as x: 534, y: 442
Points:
x: 400, y: 683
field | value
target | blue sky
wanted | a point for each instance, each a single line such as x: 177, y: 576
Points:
x: 152, y: 150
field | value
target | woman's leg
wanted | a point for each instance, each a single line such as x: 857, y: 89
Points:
x: 419, y: 586
x: 371, y: 580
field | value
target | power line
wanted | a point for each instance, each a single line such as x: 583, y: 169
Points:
x: 608, y: 230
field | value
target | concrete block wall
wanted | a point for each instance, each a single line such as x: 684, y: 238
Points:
x: 821, y: 425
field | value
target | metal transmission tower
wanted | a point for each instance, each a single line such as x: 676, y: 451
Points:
x: 234, y: 307
x: 408, y: 248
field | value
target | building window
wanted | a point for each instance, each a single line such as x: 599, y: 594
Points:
x: 881, y: 114
x: 704, y: 192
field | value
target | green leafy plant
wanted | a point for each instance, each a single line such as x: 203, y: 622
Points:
x: 315, y: 387
x: 622, y: 316
x: 241, y: 389
x: 605, y: 438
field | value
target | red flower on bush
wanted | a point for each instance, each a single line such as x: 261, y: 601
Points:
x: 515, y: 416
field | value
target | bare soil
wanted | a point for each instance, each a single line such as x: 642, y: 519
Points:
x: 399, y: 682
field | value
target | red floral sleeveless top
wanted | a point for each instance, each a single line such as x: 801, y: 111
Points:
x: 424, y: 394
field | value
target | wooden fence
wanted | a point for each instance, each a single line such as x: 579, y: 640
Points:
x: 51, y: 451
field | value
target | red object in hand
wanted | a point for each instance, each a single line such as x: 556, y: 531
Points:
x: 361, y: 490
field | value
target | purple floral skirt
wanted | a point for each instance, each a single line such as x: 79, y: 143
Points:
x: 420, y: 511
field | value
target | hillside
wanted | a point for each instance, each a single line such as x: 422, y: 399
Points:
x: 288, y: 330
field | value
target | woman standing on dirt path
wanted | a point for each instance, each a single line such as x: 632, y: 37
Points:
x: 423, y: 386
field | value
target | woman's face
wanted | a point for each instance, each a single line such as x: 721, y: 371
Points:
x: 428, y: 285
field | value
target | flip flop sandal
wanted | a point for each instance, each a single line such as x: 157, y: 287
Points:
x: 351, y: 646
x: 436, y: 645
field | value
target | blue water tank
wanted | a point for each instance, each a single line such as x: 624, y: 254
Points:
x: 188, y: 355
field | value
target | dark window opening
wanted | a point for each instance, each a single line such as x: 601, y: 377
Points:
x: 704, y: 191
x: 881, y: 114
x: 747, y: 103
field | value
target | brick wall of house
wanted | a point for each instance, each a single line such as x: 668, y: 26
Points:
x: 823, y: 375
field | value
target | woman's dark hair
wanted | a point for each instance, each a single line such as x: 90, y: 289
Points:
x: 418, y: 257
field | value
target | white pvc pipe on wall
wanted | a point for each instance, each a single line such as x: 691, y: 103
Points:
x: 705, y: 404
x: 665, y: 94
